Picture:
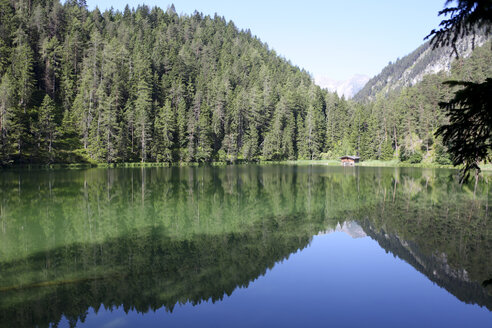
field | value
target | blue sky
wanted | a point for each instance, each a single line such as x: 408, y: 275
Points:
x: 334, y: 39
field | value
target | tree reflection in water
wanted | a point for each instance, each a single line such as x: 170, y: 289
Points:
x: 157, y: 237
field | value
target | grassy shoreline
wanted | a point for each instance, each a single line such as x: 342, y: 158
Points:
x: 378, y: 163
x: 369, y: 163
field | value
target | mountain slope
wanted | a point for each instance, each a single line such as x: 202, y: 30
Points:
x: 148, y: 85
x: 411, y: 69
x: 347, y: 88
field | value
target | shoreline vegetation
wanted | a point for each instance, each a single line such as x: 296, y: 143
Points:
x: 368, y: 163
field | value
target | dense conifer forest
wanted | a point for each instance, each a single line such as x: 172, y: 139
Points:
x: 149, y: 85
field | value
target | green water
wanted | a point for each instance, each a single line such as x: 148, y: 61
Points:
x: 73, y: 242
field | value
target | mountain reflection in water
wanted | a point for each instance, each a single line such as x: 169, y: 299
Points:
x: 146, y: 239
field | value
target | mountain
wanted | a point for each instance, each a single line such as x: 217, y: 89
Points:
x: 347, y: 88
x: 411, y: 69
x: 148, y: 85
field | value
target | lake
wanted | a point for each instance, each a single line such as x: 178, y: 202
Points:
x: 243, y: 246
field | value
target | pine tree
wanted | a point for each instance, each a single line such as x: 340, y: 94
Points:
x: 47, y: 126
x: 279, y: 145
x: 204, y: 144
x: 386, y: 151
x: 289, y: 150
x: 165, y: 129
x: 7, y: 99
x: 193, y: 128
x: 143, y: 107
x: 51, y: 53
x: 309, y: 133
x: 181, y: 125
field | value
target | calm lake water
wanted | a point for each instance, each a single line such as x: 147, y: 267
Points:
x: 243, y: 246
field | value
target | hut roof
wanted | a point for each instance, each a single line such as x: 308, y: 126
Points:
x: 350, y: 157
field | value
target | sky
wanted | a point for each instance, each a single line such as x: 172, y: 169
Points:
x: 329, y: 39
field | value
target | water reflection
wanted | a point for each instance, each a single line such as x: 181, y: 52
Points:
x: 152, y: 238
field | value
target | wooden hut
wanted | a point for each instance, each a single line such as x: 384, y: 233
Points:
x: 349, y: 160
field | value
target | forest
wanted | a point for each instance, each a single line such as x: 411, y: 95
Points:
x: 149, y: 85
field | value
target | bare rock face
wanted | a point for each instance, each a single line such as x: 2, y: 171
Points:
x: 411, y: 69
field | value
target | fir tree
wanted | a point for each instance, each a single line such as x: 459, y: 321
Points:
x: 47, y: 126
